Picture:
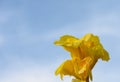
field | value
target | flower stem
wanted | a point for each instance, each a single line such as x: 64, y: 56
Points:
x: 77, y: 80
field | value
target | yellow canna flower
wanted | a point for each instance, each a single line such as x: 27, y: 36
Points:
x: 84, y: 52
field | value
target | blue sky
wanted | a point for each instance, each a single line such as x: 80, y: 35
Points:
x: 28, y: 29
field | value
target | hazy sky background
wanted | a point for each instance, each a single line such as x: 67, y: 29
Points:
x: 28, y: 29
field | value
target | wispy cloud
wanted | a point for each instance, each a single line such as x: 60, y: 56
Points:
x: 17, y: 22
x: 31, y: 74
x: 106, y: 25
x: 39, y: 73
x: 102, y: 76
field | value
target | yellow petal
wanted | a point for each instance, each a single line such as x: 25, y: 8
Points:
x: 74, y: 52
x: 94, y: 47
x: 84, y: 52
x: 68, y: 40
x: 82, y: 67
x: 65, y: 69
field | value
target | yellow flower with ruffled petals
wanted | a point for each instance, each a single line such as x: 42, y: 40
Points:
x: 84, y: 52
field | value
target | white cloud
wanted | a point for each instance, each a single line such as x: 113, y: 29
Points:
x: 38, y: 74
x: 102, y: 76
x: 32, y: 74
x: 103, y: 25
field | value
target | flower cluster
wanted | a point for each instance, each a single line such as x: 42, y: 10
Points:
x: 84, y: 52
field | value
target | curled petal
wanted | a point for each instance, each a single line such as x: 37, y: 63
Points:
x: 68, y: 40
x: 65, y: 69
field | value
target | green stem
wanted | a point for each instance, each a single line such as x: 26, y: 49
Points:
x: 77, y: 80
